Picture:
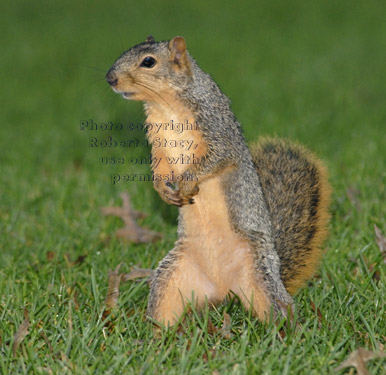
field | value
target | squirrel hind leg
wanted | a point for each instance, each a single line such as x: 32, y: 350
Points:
x: 177, y: 283
x: 258, y: 283
x: 256, y: 296
x: 297, y: 193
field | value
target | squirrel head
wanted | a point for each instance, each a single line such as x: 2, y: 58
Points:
x: 151, y: 70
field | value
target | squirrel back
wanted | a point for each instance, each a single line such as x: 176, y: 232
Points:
x: 297, y: 193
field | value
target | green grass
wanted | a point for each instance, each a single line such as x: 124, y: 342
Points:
x: 313, y: 71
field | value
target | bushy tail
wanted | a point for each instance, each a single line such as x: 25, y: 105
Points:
x: 297, y: 193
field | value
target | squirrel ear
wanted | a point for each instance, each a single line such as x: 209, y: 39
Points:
x: 150, y: 39
x: 177, y: 47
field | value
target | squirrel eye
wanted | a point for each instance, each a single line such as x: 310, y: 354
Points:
x: 148, y: 62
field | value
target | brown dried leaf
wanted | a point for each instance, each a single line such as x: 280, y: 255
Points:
x: 112, y: 295
x: 358, y: 359
x: 138, y: 234
x: 210, y: 354
x: 355, y: 271
x: 282, y: 334
x: 318, y: 313
x: 381, y: 242
x: 137, y: 342
x: 21, y: 333
x: 124, y: 210
x: 44, y: 370
x: 50, y: 256
x: 131, y: 231
x: 48, y: 343
x: 225, y: 330
x: 70, y: 329
x: 286, y: 311
x: 77, y: 261
x: 130, y: 312
x: 67, y: 259
x: 137, y: 273
x: 72, y: 293
x: 376, y: 274
x: 352, y: 194
x: 113, y: 288
x: 212, y: 329
x: 66, y: 361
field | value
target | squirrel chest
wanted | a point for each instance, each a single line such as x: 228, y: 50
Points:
x: 176, y: 148
x: 213, y: 247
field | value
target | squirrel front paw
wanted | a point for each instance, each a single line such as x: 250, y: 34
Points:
x: 167, y: 192
x: 187, y: 190
x: 183, y: 196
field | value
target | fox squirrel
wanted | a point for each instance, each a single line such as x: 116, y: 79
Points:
x: 250, y: 222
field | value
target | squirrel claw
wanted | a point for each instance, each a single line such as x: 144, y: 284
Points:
x: 173, y: 197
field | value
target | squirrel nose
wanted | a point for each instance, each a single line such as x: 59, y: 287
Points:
x: 111, y: 78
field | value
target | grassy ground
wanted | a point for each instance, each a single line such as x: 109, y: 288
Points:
x: 313, y: 71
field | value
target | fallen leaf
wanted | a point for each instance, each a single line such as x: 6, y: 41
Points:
x: 226, y: 327
x: 137, y: 273
x: 286, y: 311
x: 137, y: 342
x: 358, y: 359
x: 131, y: 230
x: 50, y: 255
x: 352, y: 194
x: 282, y: 334
x: 21, y: 333
x: 212, y: 329
x: 44, y: 370
x: 70, y: 329
x: 66, y: 362
x: 113, y: 288
x: 376, y: 274
x: 78, y: 260
x: 381, y: 242
x: 73, y: 294
x: 224, y: 331
x: 210, y: 354
x: 318, y: 313
x: 48, y: 343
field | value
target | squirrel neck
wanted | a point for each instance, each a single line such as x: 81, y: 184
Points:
x: 213, y: 112
x: 197, y: 94
x: 206, y: 99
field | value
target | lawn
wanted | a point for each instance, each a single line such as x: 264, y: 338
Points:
x: 313, y: 71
